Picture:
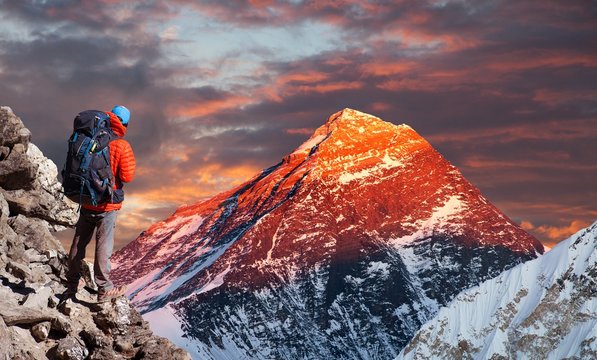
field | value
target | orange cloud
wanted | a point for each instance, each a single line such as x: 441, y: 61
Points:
x: 297, y: 79
x: 200, y: 182
x: 544, y: 209
x: 306, y: 77
x: 551, y: 130
x: 530, y: 59
x: 380, y: 106
x: 555, y: 234
x: 208, y: 107
x: 553, y: 97
x: 325, y: 88
x: 526, y: 225
x: 301, y: 131
x: 411, y: 37
x: 479, y: 162
x: 305, y: 83
x: 143, y: 208
x: 421, y: 79
x: 302, y: 82
x: 388, y: 68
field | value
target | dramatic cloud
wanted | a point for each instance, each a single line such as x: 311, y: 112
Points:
x: 555, y: 234
x: 221, y: 89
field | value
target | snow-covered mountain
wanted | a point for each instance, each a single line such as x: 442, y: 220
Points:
x: 543, y: 309
x: 341, y: 250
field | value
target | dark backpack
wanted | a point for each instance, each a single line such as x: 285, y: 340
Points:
x: 87, y: 176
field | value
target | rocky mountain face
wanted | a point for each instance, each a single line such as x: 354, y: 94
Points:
x: 34, y: 324
x: 342, y: 250
x: 543, y: 309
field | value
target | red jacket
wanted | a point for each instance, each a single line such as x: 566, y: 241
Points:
x: 122, y: 161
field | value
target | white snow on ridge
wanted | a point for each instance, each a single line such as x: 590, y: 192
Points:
x: 540, y: 309
x: 387, y: 162
x: 308, y: 145
x: 161, y: 288
x: 191, y: 225
x: 441, y: 216
x: 216, y: 282
x: 143, y: 281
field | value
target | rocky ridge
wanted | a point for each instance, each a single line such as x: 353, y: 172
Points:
x: 34, y: 324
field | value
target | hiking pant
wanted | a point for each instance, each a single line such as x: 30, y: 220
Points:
x: 90, y: 221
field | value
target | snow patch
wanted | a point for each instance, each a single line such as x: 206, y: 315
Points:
x: 217, y: 281
x: 387, y: 162
x: 308, y: 145
x: 143, y: 281
x: 160, y: 289
x: 440, y: 217
x: 379, y: 267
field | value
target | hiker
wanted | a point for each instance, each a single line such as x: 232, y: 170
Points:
x: 100, y: 216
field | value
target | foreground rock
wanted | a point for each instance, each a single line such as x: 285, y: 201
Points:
x: 33, y: 324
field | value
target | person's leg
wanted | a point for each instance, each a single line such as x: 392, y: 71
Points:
x: 103, y: 251
x: 83, y: 234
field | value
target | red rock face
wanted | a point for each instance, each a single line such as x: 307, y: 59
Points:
x: 358, y: 187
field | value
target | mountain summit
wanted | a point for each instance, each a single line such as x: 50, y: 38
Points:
x: 343, y: 249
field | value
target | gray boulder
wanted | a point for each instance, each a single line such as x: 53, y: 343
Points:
x: 42, y: 198
x: 116, y: 317
x: 32, y: 203
x: 16, y: 171
x: 39, y: 298
x: 10, y: 244
x: 4, y: 209
x: 42, y: 205
x: 34, y: 233
x: 4, y: 151
x: 17, y: 343
x: 18, y: 270
x: 26, y: 316
x: 12, y: 130
x: 4, y: 339
x: 7, y: 235
x: 95, y: 339
x: 24, y: 167
x: 41, y: 331
x: 71, y: 348
x: 62, y: 211
x: 160, y: 348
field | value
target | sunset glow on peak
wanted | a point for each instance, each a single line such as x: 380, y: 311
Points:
x: 219, y: 91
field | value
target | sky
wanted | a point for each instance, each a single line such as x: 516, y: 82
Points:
x: 218, y: 90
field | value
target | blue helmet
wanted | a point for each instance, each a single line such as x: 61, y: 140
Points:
x: 123, y: 113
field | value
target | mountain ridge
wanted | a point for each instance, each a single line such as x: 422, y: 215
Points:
x: 543, y: 308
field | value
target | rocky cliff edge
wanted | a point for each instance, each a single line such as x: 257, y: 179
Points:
x: 34, y: 324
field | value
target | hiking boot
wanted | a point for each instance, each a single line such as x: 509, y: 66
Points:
x: 69, y: 294
x: 110, y: 294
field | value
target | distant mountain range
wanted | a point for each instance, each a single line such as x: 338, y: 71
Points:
x: 543, y: 309
x: 342, y: 250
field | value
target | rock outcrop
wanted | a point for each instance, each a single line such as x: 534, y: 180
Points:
x: 34, y: 324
